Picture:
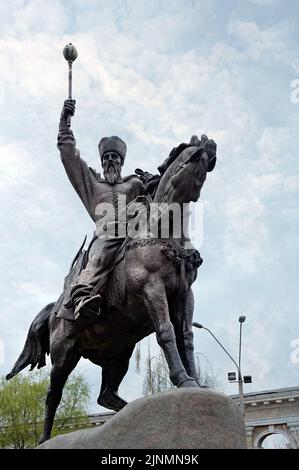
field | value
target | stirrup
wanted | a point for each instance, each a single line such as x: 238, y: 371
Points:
x: 88, y: 308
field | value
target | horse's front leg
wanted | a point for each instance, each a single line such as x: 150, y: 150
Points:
x: 157, y: 306
x: 182, y: 319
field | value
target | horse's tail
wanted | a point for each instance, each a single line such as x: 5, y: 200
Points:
x: 37, y: 343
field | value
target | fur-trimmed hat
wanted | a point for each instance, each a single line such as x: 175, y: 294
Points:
x: 113, y: 144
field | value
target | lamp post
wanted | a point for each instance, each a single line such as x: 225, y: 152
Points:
x: 242, y: 319
x: 238, y: 366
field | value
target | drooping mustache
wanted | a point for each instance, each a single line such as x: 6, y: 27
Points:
x: 112, y: 171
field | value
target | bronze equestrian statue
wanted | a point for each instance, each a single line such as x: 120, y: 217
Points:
x: 122, y: 289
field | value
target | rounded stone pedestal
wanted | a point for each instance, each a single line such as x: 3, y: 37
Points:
x: 187, y: 418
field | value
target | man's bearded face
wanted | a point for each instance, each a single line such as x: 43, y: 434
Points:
x: 111, y: 163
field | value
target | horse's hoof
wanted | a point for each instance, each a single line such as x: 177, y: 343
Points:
x: 189, y: 383
x: 112, y: 401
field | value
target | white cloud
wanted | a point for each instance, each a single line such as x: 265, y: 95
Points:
x: 260, y: 43
x: 20, y: 18
x: 295, y: 65
x: 17, y: 165
x: 262, y: 3
x: 246, y: 217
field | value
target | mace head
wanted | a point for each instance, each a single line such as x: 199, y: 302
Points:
x: 70, y: 52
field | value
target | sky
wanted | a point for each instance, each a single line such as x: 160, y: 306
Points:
x: 156, y: 73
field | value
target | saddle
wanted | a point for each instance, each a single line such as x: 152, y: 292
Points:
x: 63, y: 307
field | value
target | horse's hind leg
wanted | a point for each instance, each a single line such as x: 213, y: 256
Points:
x: 112, y: 375
x: 64, y: 360
x: 157, y: 305
x: 182, y: 320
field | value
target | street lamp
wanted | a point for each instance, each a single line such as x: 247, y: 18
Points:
x: 232, y: 375
x: 242, y: 319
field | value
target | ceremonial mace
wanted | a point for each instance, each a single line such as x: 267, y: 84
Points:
x: 70, y: 54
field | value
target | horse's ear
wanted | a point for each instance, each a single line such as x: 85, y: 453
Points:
x: 212, y: 163
x: 196, y: 156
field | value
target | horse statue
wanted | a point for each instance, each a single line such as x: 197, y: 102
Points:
x: 148, y: 291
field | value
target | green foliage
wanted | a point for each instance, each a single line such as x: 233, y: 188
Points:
x: 22, y: 406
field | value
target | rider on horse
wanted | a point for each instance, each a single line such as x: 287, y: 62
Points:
x: 86, y: 294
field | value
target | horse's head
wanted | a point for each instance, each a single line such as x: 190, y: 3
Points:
x: 184, y: 171
x: 186, y: 182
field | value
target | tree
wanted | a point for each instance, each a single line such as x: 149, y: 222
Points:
x: 157, y: 374
x: 22, y: 405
